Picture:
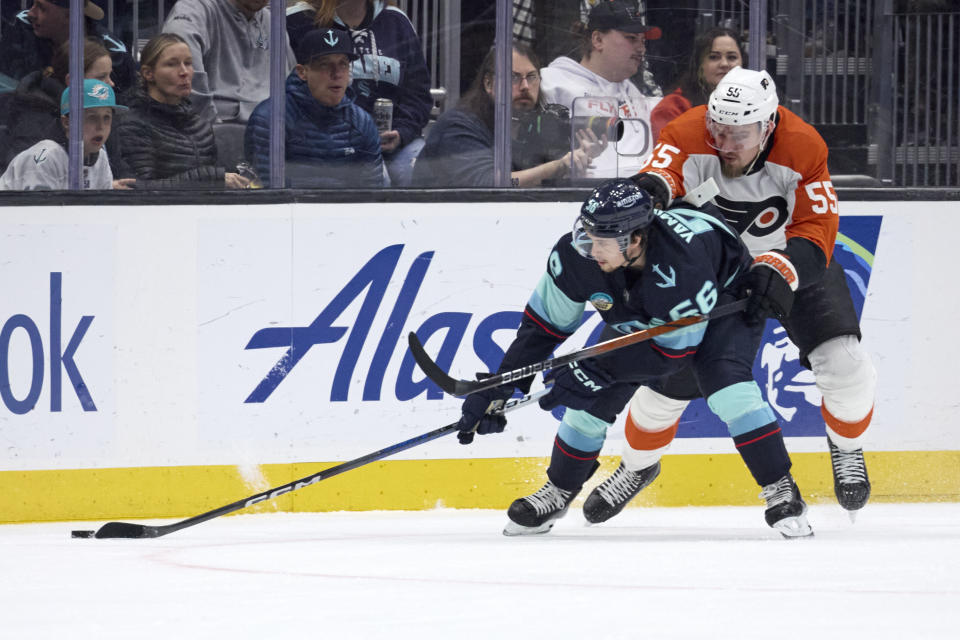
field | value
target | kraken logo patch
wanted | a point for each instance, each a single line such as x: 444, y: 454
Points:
x: 601, y: 301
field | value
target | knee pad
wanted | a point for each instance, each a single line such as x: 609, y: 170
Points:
x: 652, y: 411
x: 650, y: 427
x: 846, y: 378
x: 741, y: 407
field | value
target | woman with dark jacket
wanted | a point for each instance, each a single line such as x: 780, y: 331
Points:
x: 164, y: 144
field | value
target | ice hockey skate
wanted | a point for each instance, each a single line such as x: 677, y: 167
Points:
x: 612, y: 495
x: 536, y: 513
x: 786, y: 510
x: 850, y: 481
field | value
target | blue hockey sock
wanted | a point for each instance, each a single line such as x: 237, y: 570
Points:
x: 569, y: 467
x: 764, y: 453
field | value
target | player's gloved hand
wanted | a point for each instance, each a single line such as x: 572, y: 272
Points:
x: 575, y: 385
x: 771, y: 281
x: 655, y: 186
x: 476, y: 416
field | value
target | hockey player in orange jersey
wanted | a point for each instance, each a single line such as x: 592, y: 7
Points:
x: 771, y: 168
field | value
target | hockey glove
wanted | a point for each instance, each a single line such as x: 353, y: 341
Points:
x: 655, y: 186
x: 476, y: 416
x: 771, y: 282
x: 575, y: 386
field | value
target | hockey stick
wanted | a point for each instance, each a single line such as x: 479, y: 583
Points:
x: 466, y: 387
x: 131, y: 530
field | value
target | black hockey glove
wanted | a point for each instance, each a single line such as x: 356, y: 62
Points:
x: 771, y: 281
x: 476, y: 416
x: 575, y: 386
x: 655, y: 186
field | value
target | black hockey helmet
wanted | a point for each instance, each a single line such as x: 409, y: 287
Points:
x: 615, y: 209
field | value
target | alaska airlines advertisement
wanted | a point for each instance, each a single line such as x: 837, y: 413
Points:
x: 278, y: 333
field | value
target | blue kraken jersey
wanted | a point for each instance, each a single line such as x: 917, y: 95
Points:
x: 692, y: 257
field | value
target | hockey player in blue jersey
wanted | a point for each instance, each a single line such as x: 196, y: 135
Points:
x: 639, y: 267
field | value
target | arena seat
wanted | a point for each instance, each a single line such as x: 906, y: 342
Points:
x: 229, y: 137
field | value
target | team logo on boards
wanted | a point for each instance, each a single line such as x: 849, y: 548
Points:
x: 789, y: 386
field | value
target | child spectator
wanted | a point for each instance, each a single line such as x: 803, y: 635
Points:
x: 45, y: 165
x: 164, y: 143
x: 390, y: 65
x: 32, y: 110
x: 330, y: 141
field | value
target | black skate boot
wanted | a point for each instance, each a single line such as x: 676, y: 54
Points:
x: 786, y: 510
x: 536, y: 513
x: 850, y: 481
x: 612, y: 495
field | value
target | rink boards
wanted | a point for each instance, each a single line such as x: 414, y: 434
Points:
x: 161, y: 361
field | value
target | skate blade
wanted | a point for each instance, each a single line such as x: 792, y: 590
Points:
x: 514, y: 529
x: 853, y: 516
x: 794, y: 527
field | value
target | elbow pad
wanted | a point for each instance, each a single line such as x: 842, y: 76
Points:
x: 808, y: 258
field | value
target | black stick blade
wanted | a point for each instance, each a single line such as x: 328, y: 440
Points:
x: 127, y: 530
x: 434, y: 372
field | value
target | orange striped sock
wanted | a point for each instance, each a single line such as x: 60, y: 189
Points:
x: 846, y: 429
x: 643, y: 440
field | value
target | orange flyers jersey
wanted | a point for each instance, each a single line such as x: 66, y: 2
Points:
x: 787, y: 194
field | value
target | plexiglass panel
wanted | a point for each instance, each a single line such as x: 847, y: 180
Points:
x: 409, y: 98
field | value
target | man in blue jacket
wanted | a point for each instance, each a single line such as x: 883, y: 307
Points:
x: 330, y: 141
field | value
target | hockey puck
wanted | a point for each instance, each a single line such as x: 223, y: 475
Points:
x: 82, y: 534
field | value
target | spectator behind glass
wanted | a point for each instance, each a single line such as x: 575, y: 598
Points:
x: 45, y: 165
x: 391, y: 65
x: 643, y: 78
x: 459, y: 148
x: 164, y: 143
x: 330, y: 141
x: 611, y: 51
x: 715, y: 52
x: 30, y: 42
x: 230, y: 43
x: 32, y: 112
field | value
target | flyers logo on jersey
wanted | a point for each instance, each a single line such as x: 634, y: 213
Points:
x: 756, y: 219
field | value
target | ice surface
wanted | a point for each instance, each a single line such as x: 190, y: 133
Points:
x: 650, y: 573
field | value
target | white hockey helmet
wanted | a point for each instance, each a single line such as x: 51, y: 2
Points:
x: 743, y: 96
